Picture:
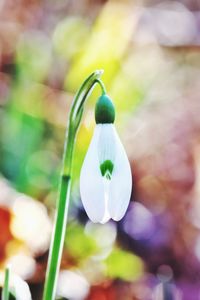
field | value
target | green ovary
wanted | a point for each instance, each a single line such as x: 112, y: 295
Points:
x: 106, y: 169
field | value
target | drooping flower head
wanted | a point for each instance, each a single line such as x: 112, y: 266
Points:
x: 106, y: 180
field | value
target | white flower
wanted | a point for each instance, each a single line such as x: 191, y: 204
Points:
x: 17, y: 286
x: 106, y: 180
x: 20, y: 288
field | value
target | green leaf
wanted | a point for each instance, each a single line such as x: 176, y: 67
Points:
x: 5, y: 292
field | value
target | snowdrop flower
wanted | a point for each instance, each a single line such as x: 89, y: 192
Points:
x: 105, y: 180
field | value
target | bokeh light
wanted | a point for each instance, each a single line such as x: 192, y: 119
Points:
x: 149, y: 51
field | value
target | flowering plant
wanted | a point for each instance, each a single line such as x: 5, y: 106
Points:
x: 105, y: 182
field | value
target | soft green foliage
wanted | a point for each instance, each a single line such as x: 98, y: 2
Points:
x: 78, y: 244
x: 21, y: 137
x: 34, y: 56
x: 123, y: 265
x: 69, y: 34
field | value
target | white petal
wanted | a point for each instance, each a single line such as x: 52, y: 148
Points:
x: 91, y: 181
x: 106, y: 143
x: 121, y: 182
x: 21, y: 288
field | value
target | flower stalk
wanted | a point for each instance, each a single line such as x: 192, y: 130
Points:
x: 59, y: 230
x: 5, y: 291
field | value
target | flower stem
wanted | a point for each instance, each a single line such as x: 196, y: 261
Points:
x: 59, y: 230
x: 101, y: 85
x: 5, y: 292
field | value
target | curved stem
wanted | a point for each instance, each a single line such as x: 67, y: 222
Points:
x: 101, y: 85
x: 59, y: 230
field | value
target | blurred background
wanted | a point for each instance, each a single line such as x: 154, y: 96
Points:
x: 149, y: 51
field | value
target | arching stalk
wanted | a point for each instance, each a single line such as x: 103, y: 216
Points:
x: 59, y: 230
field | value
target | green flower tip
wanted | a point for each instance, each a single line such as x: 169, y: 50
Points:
x: 107, y: 168
x: 104, y: 110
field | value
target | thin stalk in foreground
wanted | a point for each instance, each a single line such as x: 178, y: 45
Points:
x: 5, y: 291
x: 59, y: 230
